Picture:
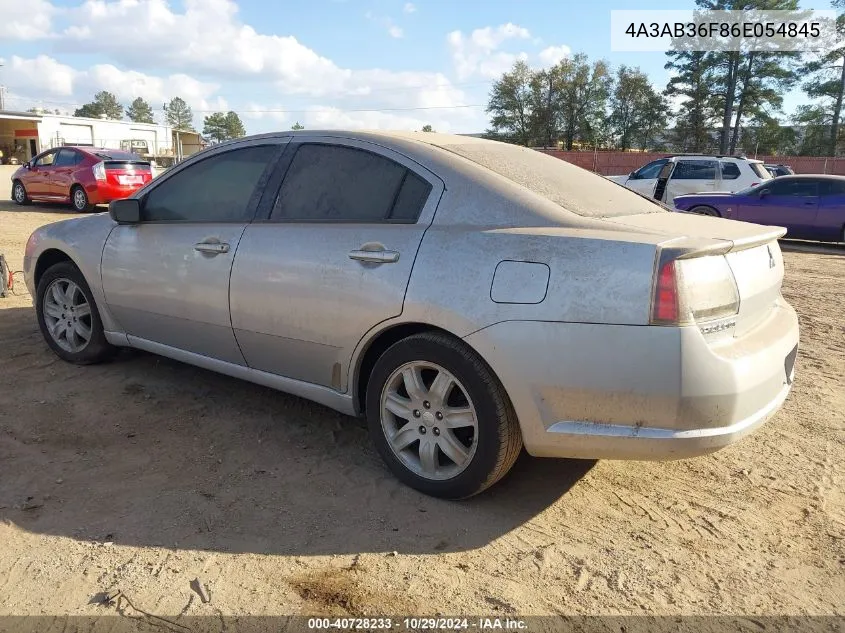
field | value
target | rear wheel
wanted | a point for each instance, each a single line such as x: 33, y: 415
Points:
x: 440, y: 419
x: 705, y: 210
x: 19, y: 194
x: 68, y: 317
x: 79, y: 199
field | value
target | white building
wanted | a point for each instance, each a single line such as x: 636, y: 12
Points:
x: 25, y: 134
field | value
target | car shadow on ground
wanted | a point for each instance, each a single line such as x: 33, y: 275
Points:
x: 7, y: 206
x: 150, y: 452
x: 821, y: 248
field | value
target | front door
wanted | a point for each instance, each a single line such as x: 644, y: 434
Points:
x: 333, y: 258
x: 691, y: 176
x: 166, y: 279
x: 643, y: 180
x: 38, y: 179
x: 789, y: 202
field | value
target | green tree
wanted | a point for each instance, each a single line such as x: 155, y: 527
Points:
x: 223, y: 127
x: 582, y: 99
x: 297, y: 126
x: 826, y: 84
x: 179, y: 115
x: 691, y: 83
x: 104, y: 103
x: 140, y: 111
x: 769, y: 137
x: 234, y: 125
x: 510, y: 105
x: 427, y: 128
x: 637, y: 111
x: 546, y: 86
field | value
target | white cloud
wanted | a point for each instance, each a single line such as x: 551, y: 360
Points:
x: 29, y: 20
x: 409, y: 8
x: 201, y: 51
x: 478, y: 54
x: 553, y: 54
x: 392, y: 29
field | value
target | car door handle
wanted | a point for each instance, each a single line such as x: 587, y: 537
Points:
x: 212, y: 248
x: 376, y: 257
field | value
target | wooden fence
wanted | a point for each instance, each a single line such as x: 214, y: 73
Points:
x: 619, y: 163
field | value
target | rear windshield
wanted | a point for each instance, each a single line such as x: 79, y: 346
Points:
x: 117, y: 154
x: 575, y: 189
x: 760, y: 170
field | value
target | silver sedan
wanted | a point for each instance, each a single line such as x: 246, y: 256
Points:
x: 469, y: 297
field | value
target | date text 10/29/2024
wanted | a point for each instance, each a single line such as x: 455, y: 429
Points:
x: 417, y: 624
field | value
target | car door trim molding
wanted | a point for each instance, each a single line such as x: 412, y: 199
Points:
x: 323, y: 395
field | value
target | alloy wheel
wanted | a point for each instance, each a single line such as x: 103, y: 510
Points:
x: 67, y: 315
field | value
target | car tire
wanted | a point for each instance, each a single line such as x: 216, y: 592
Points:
x: 19, y: 194
x: 450, y: 439
x: 79, y: 199
x: 705, y: 210
x: 68, y: 316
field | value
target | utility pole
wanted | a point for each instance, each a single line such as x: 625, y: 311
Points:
x: 2, y: 91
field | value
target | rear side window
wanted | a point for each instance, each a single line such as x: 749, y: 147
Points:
x: 344, y: 184
x: 760, y: 171
x: 730, y: 171
x: 832, y: 187
x: 695, y: 170
x: 217, y: 189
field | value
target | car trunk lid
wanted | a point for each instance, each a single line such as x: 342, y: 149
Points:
x: 751, y: 250
x: 125, y: 173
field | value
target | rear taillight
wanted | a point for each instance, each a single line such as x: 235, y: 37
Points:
x: 99, y: 171
x: 665, y: 304
x: 694, y: 290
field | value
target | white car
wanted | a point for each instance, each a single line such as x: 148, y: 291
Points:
x: 666, y: 178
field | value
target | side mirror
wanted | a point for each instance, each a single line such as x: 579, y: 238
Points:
x: 125, y: 211
x: 27, y: 165
x: 763, y: 193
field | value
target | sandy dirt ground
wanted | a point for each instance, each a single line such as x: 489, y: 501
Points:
x: 144, y: 474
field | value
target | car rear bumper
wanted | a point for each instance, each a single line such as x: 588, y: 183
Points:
x: 103, y: 193
x: 647, y: 393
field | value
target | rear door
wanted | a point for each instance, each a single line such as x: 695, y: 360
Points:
x: 692, y: 176
x: 789, y: 202
x: 332, y: 259
x: 61, y: 177
x: 41, y: 169
x: 166, y: 279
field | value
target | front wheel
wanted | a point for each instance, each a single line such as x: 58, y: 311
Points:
x: 68, y: 316
x: 440, y: 419
x: 19, y: 194
x: 705, y: 210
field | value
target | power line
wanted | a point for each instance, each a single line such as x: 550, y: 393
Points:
x: 277, y: 111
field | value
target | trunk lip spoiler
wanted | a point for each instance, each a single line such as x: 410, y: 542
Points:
x: 689, y: 247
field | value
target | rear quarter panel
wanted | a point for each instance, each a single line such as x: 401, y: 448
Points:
x: 594, y: 277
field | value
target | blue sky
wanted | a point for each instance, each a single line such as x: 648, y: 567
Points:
x: 326, y: 63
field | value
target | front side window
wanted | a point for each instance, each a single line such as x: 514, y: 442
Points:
x: 217, y: 189
x: 730, y: 171
x: 46, y: 160
x: 797, y: 188
x: 695, y: 170
x: 649, y: 171
x: 344, y: 184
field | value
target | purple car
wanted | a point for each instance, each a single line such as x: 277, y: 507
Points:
x: 810, y: 207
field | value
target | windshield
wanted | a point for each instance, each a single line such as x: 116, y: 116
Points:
x: 575, y: 189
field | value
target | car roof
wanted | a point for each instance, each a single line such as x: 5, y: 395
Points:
x: 813, y: 177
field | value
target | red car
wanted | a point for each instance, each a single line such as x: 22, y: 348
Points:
x: 81, y: 176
